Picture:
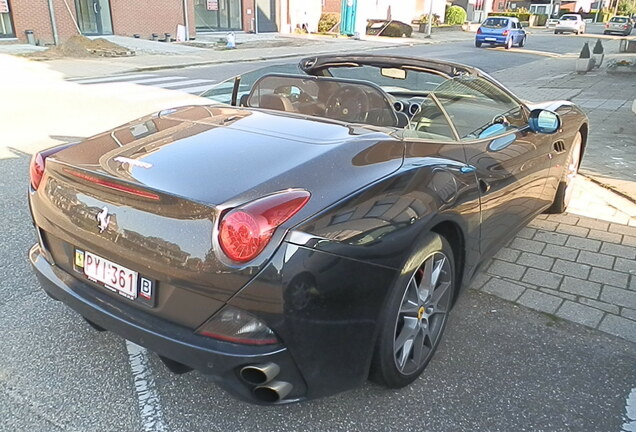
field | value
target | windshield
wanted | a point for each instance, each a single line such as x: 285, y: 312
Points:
x: 619, y: 19
x: 411, y: 81
x: 569, y: 18
x: 495, y: 23
x: 222, y: 92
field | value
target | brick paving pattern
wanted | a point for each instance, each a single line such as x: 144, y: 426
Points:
x: 575, y: 267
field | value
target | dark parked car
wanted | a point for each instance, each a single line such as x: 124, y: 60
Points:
x: 504, y: 31
x: 311, y: 233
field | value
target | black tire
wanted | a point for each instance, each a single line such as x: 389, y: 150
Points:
x: 522, y: 42
x: 556, y: 32
x: 509, y: 43
x: 564, y: 189
x: 478, y: 44
x: 406, y: 318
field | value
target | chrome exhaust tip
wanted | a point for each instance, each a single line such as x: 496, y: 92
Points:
x: 273, y: 392
x: 260, y: 374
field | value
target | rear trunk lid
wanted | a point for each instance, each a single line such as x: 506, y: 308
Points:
x: 162, y: 182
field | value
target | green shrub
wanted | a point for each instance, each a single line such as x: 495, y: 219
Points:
x: 455, y: 15
x: 598, y: 47
x: 585, y: 51
x: 522, y: 16
x: 397, y: 29
x: 328, y: 21
x: 424, y: 19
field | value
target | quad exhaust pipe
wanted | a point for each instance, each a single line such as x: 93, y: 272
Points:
x: 274, y: 391
x: 260, y: 374
x: 262, y: 377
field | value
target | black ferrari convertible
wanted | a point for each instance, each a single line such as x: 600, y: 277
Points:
x: 307, y: 229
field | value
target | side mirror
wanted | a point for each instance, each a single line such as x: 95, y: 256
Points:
x: 544, y: 121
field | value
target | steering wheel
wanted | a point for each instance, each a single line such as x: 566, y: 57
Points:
x: 349, y: 103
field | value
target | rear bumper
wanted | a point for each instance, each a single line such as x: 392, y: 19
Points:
x: 492, y: 39
x: 221, y: 360
x: 566, y: 29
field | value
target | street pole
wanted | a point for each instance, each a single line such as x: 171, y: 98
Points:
x: 185, y: 20
x: 255, y: 16
x: 429, y: 28
x: 56, y: 39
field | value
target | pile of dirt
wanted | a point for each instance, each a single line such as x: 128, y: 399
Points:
x: 83, y: 47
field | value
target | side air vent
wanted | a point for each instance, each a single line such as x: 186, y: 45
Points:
x: 559, y: 146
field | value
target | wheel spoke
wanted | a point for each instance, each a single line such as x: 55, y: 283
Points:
x: 404, y: 341
x: 439, y: 265
x: 439, y: 299
x: 418, y: 348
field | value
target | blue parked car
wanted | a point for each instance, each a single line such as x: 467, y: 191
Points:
x: 506, y: 31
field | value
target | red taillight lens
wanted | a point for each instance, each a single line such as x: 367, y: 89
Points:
x: 506, y: 32
x: 479, y: 30
x: 245, y: 231
x: 36, y: 170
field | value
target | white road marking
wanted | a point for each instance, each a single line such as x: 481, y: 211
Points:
x: 107, y: 79
x: 198, y: 89
x: 147, y: 396
x: 183, y: 83
x: 156, y: 79
x: 630, y: 409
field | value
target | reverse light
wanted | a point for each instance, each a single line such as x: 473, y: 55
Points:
x: 235, y: 325
x: 245, y: 231
x: 38, y: 160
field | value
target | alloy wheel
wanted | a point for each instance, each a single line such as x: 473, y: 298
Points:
x: 423, y: 311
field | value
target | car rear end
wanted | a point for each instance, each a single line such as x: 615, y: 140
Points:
x: 149, y: 231
x: 620, y: 25
x: 569, y: 24
x: 494, y: 30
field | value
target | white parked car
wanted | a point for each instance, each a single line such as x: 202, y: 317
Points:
x: 570, y: 23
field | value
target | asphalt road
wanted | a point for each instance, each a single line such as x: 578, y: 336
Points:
x: 540, y: 43
x: 499, y: 367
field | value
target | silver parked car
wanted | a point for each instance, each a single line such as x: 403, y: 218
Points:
x: 619, y: 24
x: 570, y: 23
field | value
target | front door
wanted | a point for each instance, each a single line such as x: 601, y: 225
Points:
x: 511, y: 162
x: 93, y: 17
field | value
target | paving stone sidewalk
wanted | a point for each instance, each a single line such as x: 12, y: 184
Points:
x: 579, y: 266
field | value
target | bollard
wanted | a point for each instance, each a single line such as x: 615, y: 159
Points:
x: 30, y: 37
x: 231, y: 40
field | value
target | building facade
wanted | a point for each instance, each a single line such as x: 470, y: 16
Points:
x: 50, y: 21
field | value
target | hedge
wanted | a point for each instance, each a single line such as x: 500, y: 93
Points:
x: 455, y: 15
x: 522, y: 16
x: 327, y: 22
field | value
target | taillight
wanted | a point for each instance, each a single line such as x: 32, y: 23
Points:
x: 479, y: 30
x: 245, y: 231
x: 36, y: 169
x: 505, y: 32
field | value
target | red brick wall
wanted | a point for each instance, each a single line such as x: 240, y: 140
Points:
x: 332, y: 6
x: 147, y: 17
x: 34, y: 15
